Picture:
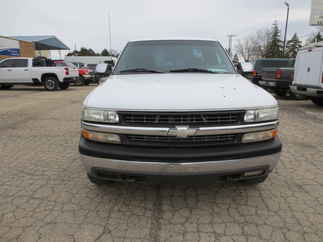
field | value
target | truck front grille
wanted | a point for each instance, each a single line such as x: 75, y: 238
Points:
x: 185, y: 118
x: 193, y: 141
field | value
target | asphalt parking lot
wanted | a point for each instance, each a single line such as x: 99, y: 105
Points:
x: 45, y: 195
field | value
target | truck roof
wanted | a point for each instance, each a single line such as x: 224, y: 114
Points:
x: 173, y: 38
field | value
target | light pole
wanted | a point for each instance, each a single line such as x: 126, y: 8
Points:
x: 110, y: 37
x: 286, y: 27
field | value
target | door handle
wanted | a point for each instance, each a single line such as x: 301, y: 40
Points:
x: 9, y: 70
x: 26, y: 70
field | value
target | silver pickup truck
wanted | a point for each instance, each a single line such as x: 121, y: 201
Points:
x: 178, y: 108
x: 35, y: 71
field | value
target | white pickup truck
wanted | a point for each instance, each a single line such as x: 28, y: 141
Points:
x: 178, y: 108
x: 34, y: 71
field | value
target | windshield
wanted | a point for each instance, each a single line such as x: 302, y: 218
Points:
x: 165, y: 56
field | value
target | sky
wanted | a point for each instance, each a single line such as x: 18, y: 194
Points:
x: 85, y: 23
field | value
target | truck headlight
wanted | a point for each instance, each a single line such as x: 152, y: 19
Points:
x: 259, y: 136
x: 260, y: 115
x: 98, y: 115
x: 101, y: 137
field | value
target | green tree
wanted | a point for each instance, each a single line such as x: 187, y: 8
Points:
x: 316, y: 38
x: 275, y: 45
x: 105, y: 52
x: 293, y: 46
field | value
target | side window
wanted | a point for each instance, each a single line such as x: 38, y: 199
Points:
x: 7, y: 64
x: 14, y: 63
x: 19, y: 63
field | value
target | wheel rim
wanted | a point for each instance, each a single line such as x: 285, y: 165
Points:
x: 50, y: 84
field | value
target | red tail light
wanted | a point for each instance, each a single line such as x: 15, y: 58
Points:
x: 278, y: 74
x: 254, y: 73
x: 66, y: 71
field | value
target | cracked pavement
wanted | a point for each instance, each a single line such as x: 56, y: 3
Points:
x: 45, y: 194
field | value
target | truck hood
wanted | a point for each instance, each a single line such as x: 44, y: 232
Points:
x: 178, y: 91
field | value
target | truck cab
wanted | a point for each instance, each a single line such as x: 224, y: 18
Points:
x: 178, y: 109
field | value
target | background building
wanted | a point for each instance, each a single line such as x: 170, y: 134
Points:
x: 30, y: 46
x: 10, y: 47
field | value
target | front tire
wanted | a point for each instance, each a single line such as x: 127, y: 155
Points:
x: 51, y: 83
x: 64, y: 85
x: 318, y: 101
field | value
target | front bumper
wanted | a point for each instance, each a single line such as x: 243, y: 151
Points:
x: 180, y: 161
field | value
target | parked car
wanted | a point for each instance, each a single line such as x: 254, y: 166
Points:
x: 308, y: 79
x: 34, y: 71
x: 266, y: 73
x: 85, y: 77
x: 102, y: 70
x: 178, y: 108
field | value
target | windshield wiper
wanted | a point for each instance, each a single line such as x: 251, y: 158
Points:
x: 193, y: 70
x: 140, y: 70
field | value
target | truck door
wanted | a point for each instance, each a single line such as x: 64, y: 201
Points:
x: 308, y: 68
x: 15, y: 71
x: 6, y: 70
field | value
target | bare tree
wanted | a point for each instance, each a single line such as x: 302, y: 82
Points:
x: 254, y: 46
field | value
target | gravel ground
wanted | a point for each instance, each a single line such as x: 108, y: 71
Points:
x: 45, y: 195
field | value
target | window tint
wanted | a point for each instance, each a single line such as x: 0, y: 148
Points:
x: 14, y: 63
x: 20, y: 63
x: 6, y: 63
x: 165, y: 56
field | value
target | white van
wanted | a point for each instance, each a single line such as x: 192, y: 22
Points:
x: 308, y: 77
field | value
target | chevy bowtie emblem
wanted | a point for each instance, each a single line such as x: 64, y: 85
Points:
x: 182, y: 131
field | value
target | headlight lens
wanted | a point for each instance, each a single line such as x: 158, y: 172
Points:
x: 101, y: 137
x: 260, y: 115
x: 259, y: 136
x: 97, y: 115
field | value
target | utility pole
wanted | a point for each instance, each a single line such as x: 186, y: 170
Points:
x: 230, y: 44
x: 109, y: 32
x: 286, y: 27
